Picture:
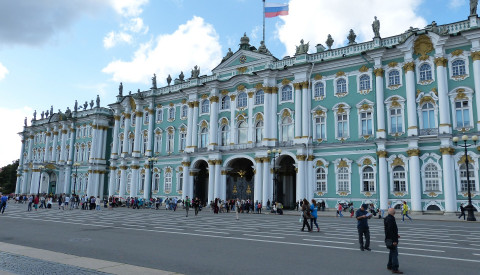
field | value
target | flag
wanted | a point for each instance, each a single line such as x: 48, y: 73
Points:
x: 275, y: 9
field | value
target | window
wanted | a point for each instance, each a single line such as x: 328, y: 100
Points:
x: 394, y: 78
x: 396, y: 120
x: 287, y: 93
x: 343, y: 179
x: 120, y: 143
x: 131, y: 142
x: 171, y: 113
x: 180, y: 182
x: 432, y: 182
x: 204, y: 137
x: 321, y: 180
x: 141, y: 188
x: 134, y: 118
x: 366, y: 122
x: 122, y: 124
x: 463, y: 177
x: 144, y: 143
x: 225, y: 103
x: 462, y: 113
x: 146, y: 118
x: 287, y: 129
x: 242, y: 100
x: 425, y: 72
x: 259, y: 97
x: 368, y: 178
x: 129, y: 183
x: 428, y: 116
x: 242, y: 132
x: 159, y: 115
x: 205, y: 108
x: 341, y: 86
x: 184, y: 111
x: 170, y: 142
x: 320, y: 127
x: 157, y: 143
x: 399, y: 183
x: 168, y: 182
x: 365, y: 82
x: 117, y: 182
x: 183, y: 140
x: 156, y: 182
x: 319, y: 89
x: 342, y: 125
x: 458, y: 67
x: 225, y: 135
x: 259, y: 131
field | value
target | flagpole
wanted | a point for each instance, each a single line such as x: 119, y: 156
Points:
x: 263, y: 21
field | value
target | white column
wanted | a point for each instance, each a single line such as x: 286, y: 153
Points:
x: 232, y: 119
x: 449, y: 186
x: 218, y: 179
x: 310, y: 177
x: 138, y: 132
x: 189, y: 126
x: 298, y: 110
x: 380, y: 98
x: 411, y: 96
x: 476, y: 78
x: 46, y: 156
x: 25, y: 181
x: 224, y: 185
x: 123, y: 179
x: 300, y: 178
x: 186, y: 180
x: 112, y: 178
x: 54, y: 145
x: 116, y: 128
x: 125, y: 134
x: 273, y: 117
x: 63, y: 144
x: 211, y: 180
x: 195, y: 125
x: 266, y: 180
x: 383, y: 179
x: 148, y: 182
x: 151, y: 125
x: 267, y: 109
x: 443, y: 102
x: 72, y: 143
x: 20, y: 168
x: 258, y: 191
x: 251, y: 119
x: 35, y: 181
x: 415, y: 183
x: 135, y: 178
x: 67, y: 179
x: 305, y: 110
x: 213, y: 121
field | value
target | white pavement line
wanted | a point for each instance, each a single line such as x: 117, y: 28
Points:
x: 216, y: 232
x: 476, y: 254
x: 310, y: 240
x: 134, y: 225
x: 167, y: 228
x: 414, y: 248
x: 425, y: 241
x: 275, y: 237
x: 432, y: 245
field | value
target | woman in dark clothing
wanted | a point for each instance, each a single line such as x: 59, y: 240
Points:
x: 306, y: 215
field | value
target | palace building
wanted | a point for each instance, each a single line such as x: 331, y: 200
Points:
x: 370, y: 122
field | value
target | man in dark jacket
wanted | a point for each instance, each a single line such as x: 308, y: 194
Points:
x: 391, y: 233
x: 362, y: 216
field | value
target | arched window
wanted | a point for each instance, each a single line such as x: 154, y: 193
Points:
x: 183, y: 140
x: 204, y: 137
x: 144, y: 143
x: 168, y: 183
x: 368, y: 178
x: 399, y: 183
x: 205, y: 106
x: 170, y: 142
x: 134, y: 118
x: 341, y: 86
x: 342, y: 125
x: 287, y: 93
x: 287, y: 129
x: 156, y: 182
x: 364, y: 82
x: 171, y: 113
x: 129, y: 183
x: 425, y: 72
x: 432, y: 182
x: 184, y: 111
x: 463, y: 177
x: 393, y: 78
x: 367, y: 122
x: 319, y: 89
x: 142, y: 183
x: 428, y: 116
x: 225, y: 102
x: 146, y: 118
x: 259, y: 131
x: 242, y: 132
x: 320, y: 127
x: 259, y: 97
x: 242, y: 100
x: 225, y: 135
x: 458, y: 67
x: 157, y: 143
x: 159, y: 115
x: 122, y: 124
x: 462, y: 113
x: 120, y: 144
x: 180, y: 182
x: 321, y: 181
x: 343, y: 179
x: 396, y: 121
x: 131, y: 142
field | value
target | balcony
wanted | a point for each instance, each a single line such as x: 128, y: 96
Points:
x: 429, y: 132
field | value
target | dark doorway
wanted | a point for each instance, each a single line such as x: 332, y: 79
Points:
x: 240, y: 180
x: 284, y: 187
x: 200, y: 182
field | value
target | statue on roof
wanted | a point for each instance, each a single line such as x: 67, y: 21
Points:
x: 329, y: 42
x: 376, y: 28
x: 138, y: 91
x: 75, y: 107
x: 195, y: 71
x: 351, y: 38
x: 91, y: 104
x: 245, y: 42
x: 263, y: 49
x: 154, y: 81
x: 473, y: 7
x: 51, y: 110
x: 46, y: 114
x: 98, y: 101
x: 42, y: 115
x: 181, y: 76
x: 302, y: 48
x: 120, y: 89
x: 25, y: 122
x: 85, y: 105
x: 169, y: 80
x: 68, y: 113
x: 229, y: 54
x: 35, y: 115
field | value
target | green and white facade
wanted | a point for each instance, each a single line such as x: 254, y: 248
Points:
x: 367, y: 123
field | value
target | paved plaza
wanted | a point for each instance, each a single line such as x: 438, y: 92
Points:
x: 218, y: 244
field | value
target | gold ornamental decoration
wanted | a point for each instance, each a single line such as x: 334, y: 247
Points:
x: 432, y: 194
x: 426, y: 99
x: 363, y: 69
x: 398, y: 162
x: 285, y: 81
x: 318, y: 77
x: 365, y: 107
x: 413, y: 152
x: 382, y: 154
x: 342, y: 164
x: 475, y: 56
x: 340, y: 73
x: 259, y: 86
x: 392, y: 64
x: 285, y: 113
x: 422, y: 46
x: 378, y: 72
x: 224, y: 92
x: 241, y: 87
x: 340, y: 109
x: 462, y: 160
x: 399, y: 194
x: 447, y: 151
x: 367, y: 162
x: 457, y: 52
x: 441, y: 61
x: 461, y: 95
x: 297, y: 86
x: 410, y: 66
x: 301, y: 157
x: 319, y: 163
x: 242, y: 70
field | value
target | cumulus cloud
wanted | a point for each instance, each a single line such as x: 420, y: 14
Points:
x: 193, y: 43
x: 3, y: 71
x: 11, y: 141
x: 128, y: 8
x: 313, y: 20
x: 457, y: 3
x: 35, y: 22
x: 113, y: 38
x: 135, y: 25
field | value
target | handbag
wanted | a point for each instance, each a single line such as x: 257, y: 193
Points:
x: 389, y: 243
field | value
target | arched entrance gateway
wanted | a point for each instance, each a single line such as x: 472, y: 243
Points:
x: 240, y: 179
x: 284, y: 187
x: 200, y: 181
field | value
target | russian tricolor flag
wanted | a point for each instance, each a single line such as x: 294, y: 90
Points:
x: 275, y: 9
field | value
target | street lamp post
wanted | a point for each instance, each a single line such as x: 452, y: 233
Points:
x: 39, y: 178
x: 469, y: 207
x: 76, y: 164
x: 151, y: 161
x: 273, y: 154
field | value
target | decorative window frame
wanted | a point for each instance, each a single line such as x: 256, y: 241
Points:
x: 341, y: 108
x: 394, y: 161
x: 319, y: 98
x: 363, y: 107
x: 387, y: 77
x: 170, y: 130
x: 318, y: 112
x: 420, y: 63
x: 179, y: 173
x: 203, y: 124
x: 157, y: 133
x: 156, y: 172
x: 182, y: 117
x: 229, y: 104
x: 320, y: 163
x: 461, y: 93
x: 473, y: 159
x: 237, y: 100
x: 128, y: 184
x: 422, y: 98
x: 258, y: 117
x: 335, y: 81
x: 456, y: 55
x: 395, y: 102
x: 170, y: 118
x: 431, y: 158
x: 367, y: 161
x: 280, y: 93
x: 205, y: 101
x: 159, y: 114
x: 146, y: 117
x: 240, y: 119
x: 285, y: 112
x: 369, y: 74
x: 182, y: 130
x: 142, y: 176
x: 167, y: 170
x: 255, y: 98
x: 143, y: 148
x: 340, y: 163
x: 221, y: 123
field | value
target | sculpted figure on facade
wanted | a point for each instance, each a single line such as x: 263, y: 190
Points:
x: 91, y: 104
x: 351, y: 38
x: 329, y: 42
x: 98, y: 101
x: 42, y: 115
x: 473, y: 7
x: 46, y: 114
x: 229, y: 54
x: 263, y: 49
x: 169, y: 80
x: 154, y: 81
x: 376, y: 27
x: 25, y: 122
x: 75, y: 107
x: 51, y: 110
x: 120, y: 89
x: 68, y: 113
x: 195, y: 71
x: 181, y: 76
x: 35, y: 115
x: 85, y: 105
x: 302, y: 48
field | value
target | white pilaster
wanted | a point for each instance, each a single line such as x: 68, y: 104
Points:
x: 443, y: 101
x: 211, y: 180
x: 383, y: 176
x: 415, y: 183
x: 251, y: 127
x: 213, y: 121
x: 151, y: 125
x: 195, y: 125
x: 218, y: 179
x: 63, y: 144
x: 267, y: 109
x: 46, y: 156
x: 310, y: 177
x: 305, y: 111
x: 300, y: 178
x: 123, y: 179
x: 116, y: 128
x: 266, y: 181
x: 126, y: 132
x: 148, y: 182
x: 411, y: 95
x: 135, y: 179
x: 188, y: 147
x: 380, y: 98
x: 298, y: 111
x: 54, y: 145
x: 138, y: 132
x: 476, y: 78
x: 449, y: 186
x: 186, y: 180
x: 112, y: 178
x: 232, y: 120
x: 67, y: 179
x: 258, y: 191
x: 224, y: 185
x: 273, y: 118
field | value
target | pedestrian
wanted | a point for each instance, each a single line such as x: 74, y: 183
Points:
x: 36, y: 200
x: 268, y: 204
x: 462, y: 211
x: 306, y: 215
x: 196, y: 205
x: 67, y: 201
x: 352, y: 211
x: 259, y: 206
x: 98, y: 201
x: 3, y: 203
x: 339, y: 210
x: 405, y: 211
x: 313, y: 208
x: 362, y: 216
x: 30, y: 202
x: 237, y: 208
x: 391, y: 241
x: 187, y: 204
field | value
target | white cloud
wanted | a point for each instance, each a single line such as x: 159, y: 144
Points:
x: 113, y: 38
x: 313, y: 20
x: 456, y: 3
x: 11, y: 141
x: 135, y: 25
x: 193, y: 43
x: 128, y: 8
x: 3, y: 71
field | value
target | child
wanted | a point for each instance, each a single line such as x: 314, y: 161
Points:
x: 351, y: 211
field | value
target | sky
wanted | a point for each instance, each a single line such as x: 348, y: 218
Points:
x: 53, y: 52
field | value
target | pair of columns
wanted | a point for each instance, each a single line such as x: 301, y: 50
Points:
x: 302, y: 110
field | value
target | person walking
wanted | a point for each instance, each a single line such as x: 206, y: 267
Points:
x: 339, y: 210
x: 187, y: 204
x: 98, y: 202
x: 36, y: 201
x: 462, y: 211
x: 3, y: 203
x: 30, y: 202
x: 362, y: 216
x: 237, y: 208
x: 405, y: 211
x: 391, y: 240
x: 306, y: 215
x: 196, y: 205
x: 313, y: 209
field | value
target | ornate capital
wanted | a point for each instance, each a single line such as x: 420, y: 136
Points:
x: 195, y: 103
x: 382, y: 154
x: 123, y: 167
x: 186, y: 163
x: 258, y: 160
x: 211, y: 162
x: 117, y: 118
x: 218, y: 162
x: 139, y: 114
x: 475, y: 56
x: 378, y: 72
x: 311, y: 158
x: 214, y: 99
x: 441, y: 61
x: 190, y: 104
x: 447, y: 151
x: 413, y: 152
x: 301, y: 157
x: 250, y: 94
x: 305, y: 84
x: 128, y: 116
x: 410, y: 66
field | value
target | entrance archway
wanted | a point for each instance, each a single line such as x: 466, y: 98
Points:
x: 240, y: 179
x: 284, y: 188
x: 200, y: 181
x: 52, y: 185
